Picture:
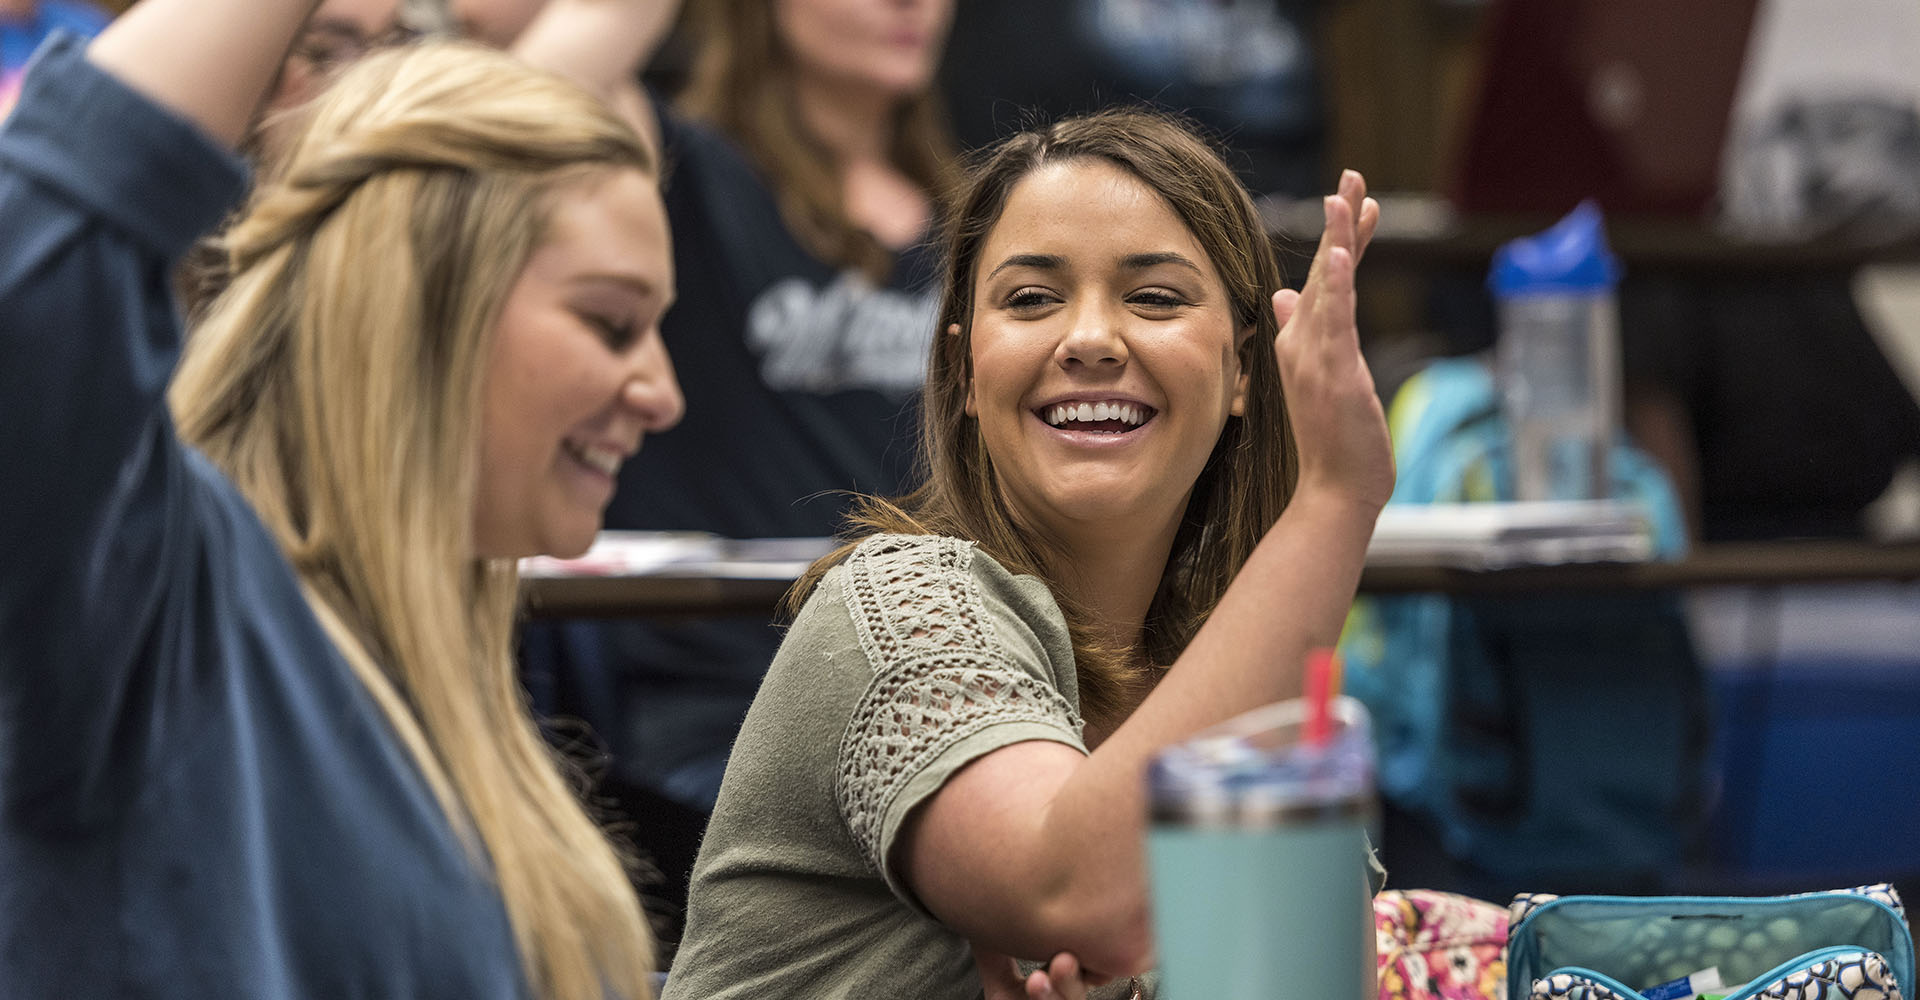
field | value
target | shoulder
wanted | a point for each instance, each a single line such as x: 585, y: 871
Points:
x: 937, y: 556
x: 903, y: 589
x: 894, y: 562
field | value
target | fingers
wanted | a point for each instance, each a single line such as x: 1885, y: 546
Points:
x: 1348, y: 220
x: 1060, y: 980
x: 1366, y: 211
x: 1369, y: 221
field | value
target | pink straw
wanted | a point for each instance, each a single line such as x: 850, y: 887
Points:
x: 1323, y: 683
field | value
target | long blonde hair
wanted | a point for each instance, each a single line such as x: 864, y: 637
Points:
x: 742, y: 82
x: 1248, y: 478
x: 337, y: 381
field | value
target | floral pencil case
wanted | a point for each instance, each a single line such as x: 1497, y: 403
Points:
x: 1850, y: 943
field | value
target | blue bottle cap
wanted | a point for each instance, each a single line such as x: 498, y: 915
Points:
x: 1572, y: 256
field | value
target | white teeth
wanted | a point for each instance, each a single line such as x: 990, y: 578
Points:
x: 607, y: 460
x: 1126, y: 413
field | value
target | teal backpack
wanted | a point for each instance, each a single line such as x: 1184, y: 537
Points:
x: 1546, y: 739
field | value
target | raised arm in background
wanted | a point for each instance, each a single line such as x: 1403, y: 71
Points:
x: 209, y: 61
x: 603, y: 45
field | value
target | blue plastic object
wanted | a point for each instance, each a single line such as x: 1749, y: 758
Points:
x: 1572, y: 256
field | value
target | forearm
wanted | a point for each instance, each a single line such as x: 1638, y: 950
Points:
x: 602, y: 45
x: 209, y: 61
x: 1068, y: 870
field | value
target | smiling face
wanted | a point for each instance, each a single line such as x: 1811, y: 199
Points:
x: 577, y: 372
x: 1103, y: 353
x: 887, y: 46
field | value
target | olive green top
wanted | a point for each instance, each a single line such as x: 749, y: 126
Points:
x: 914, y: 657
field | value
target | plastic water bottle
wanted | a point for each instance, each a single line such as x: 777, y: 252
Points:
x: 1558, y: 360
x: 1258, y: 854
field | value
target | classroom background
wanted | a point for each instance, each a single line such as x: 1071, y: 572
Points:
x: 1759, y: 164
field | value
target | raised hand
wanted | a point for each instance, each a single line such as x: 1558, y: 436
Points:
x: 1338, y: 424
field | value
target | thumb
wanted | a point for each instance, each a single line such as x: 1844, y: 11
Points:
x: 1285, y: 301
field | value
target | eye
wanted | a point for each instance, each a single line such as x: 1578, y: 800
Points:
x: 1157, y: 298
x: 1030, y: 299
x: 617, y: 334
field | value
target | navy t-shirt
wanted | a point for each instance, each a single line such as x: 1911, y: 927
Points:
x: 197, y: 796
x: 800, y: 378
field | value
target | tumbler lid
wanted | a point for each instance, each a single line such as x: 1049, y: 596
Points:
x: 1256, y: 770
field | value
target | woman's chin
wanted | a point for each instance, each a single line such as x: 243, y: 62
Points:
x: 573, y: 542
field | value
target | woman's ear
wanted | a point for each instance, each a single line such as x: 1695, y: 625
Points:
x: 1238, y: 405
x: 972, y: 408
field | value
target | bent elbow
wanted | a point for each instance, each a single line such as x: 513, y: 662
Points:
x: 1110, y: 936
x: 1133, y: 948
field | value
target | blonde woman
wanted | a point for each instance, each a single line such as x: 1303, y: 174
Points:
x: 805, y: 162
x: 259, y: 731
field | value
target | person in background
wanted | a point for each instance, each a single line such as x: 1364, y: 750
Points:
x: 805, y: 162
x: 260, y: 732
x: 24, y: 24
x: 1152, y: 479
x: 337, y: 35
x: 1244, y: 69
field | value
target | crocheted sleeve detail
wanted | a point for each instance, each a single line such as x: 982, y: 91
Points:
x: 940, y: 674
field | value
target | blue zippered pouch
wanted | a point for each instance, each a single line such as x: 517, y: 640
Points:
x: 1851, y: 943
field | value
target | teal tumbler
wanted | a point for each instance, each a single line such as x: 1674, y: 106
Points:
x: 1259, y: 859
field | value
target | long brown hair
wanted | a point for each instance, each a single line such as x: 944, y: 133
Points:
x: 742, y: 82
x: 1247, y: 479
x: 337, y: 382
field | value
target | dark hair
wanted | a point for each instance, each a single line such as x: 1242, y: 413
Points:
x: 1246, y: 481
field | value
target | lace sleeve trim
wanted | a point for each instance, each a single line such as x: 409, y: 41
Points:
x: 939, y: 674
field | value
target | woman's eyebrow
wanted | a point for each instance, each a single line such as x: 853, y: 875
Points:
x: 1038, y: 261
x: 622, y: 280
x: 1142, y: 261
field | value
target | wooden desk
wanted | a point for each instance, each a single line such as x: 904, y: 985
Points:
x: 1770, y: 563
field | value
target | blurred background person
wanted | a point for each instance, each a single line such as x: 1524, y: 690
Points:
x: 1248, y: 71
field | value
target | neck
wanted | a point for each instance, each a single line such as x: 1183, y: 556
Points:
x: 1114, y: 573
x: 17, y: 10
x: 854, y: 123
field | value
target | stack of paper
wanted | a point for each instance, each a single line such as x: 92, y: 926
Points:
x: 685, y: 553
x: 1482, y: 536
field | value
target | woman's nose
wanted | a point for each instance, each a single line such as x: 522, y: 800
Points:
x: 1094, y: 337
x: 651, y: 390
